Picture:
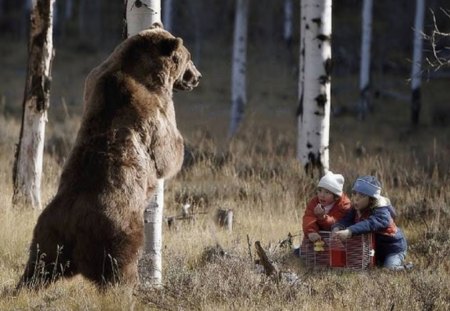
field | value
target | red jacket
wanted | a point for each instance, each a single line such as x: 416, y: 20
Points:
x: 312, y: 223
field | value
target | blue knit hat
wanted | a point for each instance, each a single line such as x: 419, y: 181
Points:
x: 368, y: 185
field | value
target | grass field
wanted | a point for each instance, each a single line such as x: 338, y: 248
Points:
x: 256, y: 175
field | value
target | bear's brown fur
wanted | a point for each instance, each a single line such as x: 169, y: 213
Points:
x: 127, y: 139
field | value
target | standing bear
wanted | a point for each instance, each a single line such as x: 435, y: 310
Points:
x: 128, y: 138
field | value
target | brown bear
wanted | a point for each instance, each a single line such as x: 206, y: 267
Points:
x: 128, y: 137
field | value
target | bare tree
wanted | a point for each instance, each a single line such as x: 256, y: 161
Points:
x: 315, y: 115
x: 438, y: 59
x: 364, y: 75
x: 141, y: 16
x: 27, y: 172
x: 416, y: 71
x: 238, y: 76
x: 301, y: 78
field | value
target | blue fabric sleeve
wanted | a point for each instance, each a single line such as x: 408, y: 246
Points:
x: 379, y: 220
x: 346, y: 221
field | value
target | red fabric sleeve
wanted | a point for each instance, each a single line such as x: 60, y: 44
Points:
x: 309, y: 218
x: 337, y: 212
x: 312, y: 223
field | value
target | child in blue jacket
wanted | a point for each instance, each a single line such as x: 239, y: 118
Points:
x: 372, y: 212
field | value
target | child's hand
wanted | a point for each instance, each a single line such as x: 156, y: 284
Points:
x: 314, y: 236
x: 335, y: 229
x: 319, y: 211
x: 343, y: 234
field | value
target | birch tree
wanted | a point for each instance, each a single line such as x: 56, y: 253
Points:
x: 27, y: 172
x: 366, y: 43
x: 140, y: 16
x: 238, y: 71
x: 315, y: 127
x: 416, y: 71
x: 301, y: 77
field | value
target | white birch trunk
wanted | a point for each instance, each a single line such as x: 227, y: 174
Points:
x: 416, y: 72
x: 167, y: 17
x: 364, y: 75
x: 29, y: 155
x: 153, y: 234
x: 288, y: 16
x: 301, y: 76
x: 238, y: 80
x: 316, y: 105
x: 140, y: 17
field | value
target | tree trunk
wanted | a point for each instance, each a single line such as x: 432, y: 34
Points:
x: 27, y: 170
x: 238, y: 83
x: 301, y: 77
x: 288, y: 16
x: 416, y: 72
x: 168, y: 13
x: 141, y: 16
x: 364, y: 77
x: 153, y: 234
x: 316, y: 99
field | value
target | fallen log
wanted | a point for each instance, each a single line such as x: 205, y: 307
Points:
x: 269, y: 268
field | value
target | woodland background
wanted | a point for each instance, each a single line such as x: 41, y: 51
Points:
x: 256, y: 173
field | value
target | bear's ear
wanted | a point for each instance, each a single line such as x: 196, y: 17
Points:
x: 169, y: 45
x: 157, y: 25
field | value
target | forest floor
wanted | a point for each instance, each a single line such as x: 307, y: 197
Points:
x: 255, y: 174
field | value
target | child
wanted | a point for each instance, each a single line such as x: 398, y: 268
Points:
x: 327, y: 207
x: 372, y: 212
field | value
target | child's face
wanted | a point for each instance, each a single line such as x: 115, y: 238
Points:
x: 325, y: 197
x: 360, y: 201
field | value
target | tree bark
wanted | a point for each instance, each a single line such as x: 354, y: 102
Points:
x: 364, y: 76
x: 416, y: 71
x: 27, y: 171
x: 140, y: 16
x: 238, y: 76
x: 301, y: 77
x: 314, y: 153
x: 153, y: 234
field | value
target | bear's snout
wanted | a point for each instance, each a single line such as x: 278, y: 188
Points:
x: 189, y: 79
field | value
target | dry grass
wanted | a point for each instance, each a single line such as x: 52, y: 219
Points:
x: 260, y: 179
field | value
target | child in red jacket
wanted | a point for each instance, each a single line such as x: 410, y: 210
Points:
x: 327, y: 207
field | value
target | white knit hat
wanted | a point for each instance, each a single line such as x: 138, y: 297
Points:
x: 332, y: 182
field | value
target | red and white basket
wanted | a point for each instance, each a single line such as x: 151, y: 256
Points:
x: 357, y: 252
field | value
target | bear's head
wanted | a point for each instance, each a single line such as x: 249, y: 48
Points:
x: 157, y: 59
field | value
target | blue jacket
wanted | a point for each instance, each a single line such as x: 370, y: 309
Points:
x: 389, y: 239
